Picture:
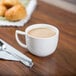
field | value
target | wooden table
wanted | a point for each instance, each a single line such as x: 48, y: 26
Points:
x: 62, y: 62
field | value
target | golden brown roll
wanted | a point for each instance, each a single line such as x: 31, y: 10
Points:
x: 10, y: 3
x: 1, y: 3
x: 16, y: 13
x: 2, y: 10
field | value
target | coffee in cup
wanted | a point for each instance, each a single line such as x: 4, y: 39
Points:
x: 41, y: 32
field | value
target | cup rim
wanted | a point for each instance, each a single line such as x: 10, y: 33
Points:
x: 45, y: 25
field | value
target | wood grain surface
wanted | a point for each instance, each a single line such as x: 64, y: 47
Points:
x: 62, y: 62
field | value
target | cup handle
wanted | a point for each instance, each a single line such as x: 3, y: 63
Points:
x: 17, y: 38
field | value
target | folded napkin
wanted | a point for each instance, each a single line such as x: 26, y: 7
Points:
x: 10, y: 53
x: 4, y: 55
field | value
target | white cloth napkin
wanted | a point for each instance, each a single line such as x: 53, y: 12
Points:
x: 10, y: 49
x: 30, y: 8
x: 4, y: 55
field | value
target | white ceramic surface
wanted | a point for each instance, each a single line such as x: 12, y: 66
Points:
x: 39, y: 46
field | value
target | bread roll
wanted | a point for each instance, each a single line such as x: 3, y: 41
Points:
x: 1, y: 3
x: 10, y: 3
x: 2, y: 10
x: 16, y: 13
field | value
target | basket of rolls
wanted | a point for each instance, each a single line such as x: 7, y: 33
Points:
x: 16, y: 12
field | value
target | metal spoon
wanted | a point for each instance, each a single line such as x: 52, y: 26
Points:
x: 21, y: 59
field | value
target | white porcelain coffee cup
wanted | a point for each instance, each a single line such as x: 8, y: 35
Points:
x: 39, y: 46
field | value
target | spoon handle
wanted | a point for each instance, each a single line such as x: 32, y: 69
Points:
x: 21, y: 57
x: 26, y: 62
